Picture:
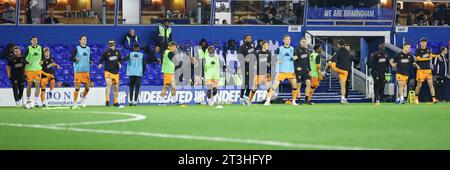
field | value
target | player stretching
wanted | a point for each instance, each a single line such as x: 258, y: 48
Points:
x: 81, y: 58
x: 341, y: 64
x: 48, y: 74
x: 112, y: 60
x: 402, y: 63
x: 284, y: 69
x: 33, y: 69
x: 168, y: 69
x: 315, y: 73
x: 424, y: 56
x: 263, y: 59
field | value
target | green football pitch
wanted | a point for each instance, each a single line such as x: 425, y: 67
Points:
x: 278, y: 127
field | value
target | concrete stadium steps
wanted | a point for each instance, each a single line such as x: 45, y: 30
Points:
x: 329, y: 97
x: 325, y: 95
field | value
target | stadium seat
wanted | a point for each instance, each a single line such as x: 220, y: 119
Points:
x: 61, y: 54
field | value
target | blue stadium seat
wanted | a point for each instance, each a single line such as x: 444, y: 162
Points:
x: 153, y: 76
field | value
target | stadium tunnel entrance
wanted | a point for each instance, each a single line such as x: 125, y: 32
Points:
x: 362, y: 43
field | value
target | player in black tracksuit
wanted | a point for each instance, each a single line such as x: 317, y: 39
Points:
x: 302, y: 70
x: 113, y: 63
x: 379, y: 65
x: 341, y: 63
x: 440, y: 73
x: 17, y: 74
x: 263, y: 69
x: 352, y: 59
x: 8, y: 53
x: 245, y: 50
x: 48, y: 74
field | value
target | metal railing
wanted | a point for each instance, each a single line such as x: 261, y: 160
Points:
x: 325, y: 56
x: 360, y: 81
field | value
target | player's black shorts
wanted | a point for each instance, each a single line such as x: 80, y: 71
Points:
x: 302, y: 76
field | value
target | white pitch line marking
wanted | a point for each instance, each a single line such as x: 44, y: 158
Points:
x: 137, y: 117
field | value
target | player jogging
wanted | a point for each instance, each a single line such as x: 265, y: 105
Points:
x: 112, y: 60
x: 33, y: 69
x: 48, y: 75
x: 212, y: 75
x: 168, y: 69
x: 81, y: 58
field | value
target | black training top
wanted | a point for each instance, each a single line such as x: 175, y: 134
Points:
x: 112, y: 58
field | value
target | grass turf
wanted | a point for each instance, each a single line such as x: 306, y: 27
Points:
x: 326, y: 126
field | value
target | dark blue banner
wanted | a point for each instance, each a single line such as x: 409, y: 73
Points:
x: 187, y: 95
x: 350, y: 13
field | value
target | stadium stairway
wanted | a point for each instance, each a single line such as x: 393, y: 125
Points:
x: 329, y: 92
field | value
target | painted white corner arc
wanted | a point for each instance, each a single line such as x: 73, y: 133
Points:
x: 134, y: 117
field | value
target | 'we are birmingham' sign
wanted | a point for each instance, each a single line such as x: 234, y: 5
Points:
x: 350, y: 14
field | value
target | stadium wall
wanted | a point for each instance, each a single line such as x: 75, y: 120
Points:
x: 434, y: 34
x: 65, y: 34
x: 100, y: 34
x: 147, y: 34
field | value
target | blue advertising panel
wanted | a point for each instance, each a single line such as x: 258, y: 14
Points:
x: 187, y: 95
x: 350, y: 13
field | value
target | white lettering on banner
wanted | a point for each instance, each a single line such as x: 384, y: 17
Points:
x: 328, y: 13
x: 260, y: 95
x: 59, y: 96
x: 337, y: 13
x: 96, y: 96
x: 122, y: 96
x: 401, y: 29
x: 188, y: 96
x: 150, y: 97
x: 229, y: 95
x: 199, y: 96
x: 357, y: 13
x: 147, y: 97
